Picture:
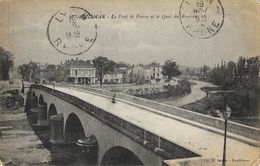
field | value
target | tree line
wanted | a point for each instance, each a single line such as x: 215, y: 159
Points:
x: 103, y: 65
x: 243, y: 78
x: 6, y: 62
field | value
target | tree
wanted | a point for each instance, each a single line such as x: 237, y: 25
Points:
x: 6, y: 62
x: 23, y: 70
x: 230, y: 73
x: 205, y: 70
x: 243, y: 77
x: 34, y: 71
x: 122, y: 64
x: 103, y: 66
x: 170, y: 69
x: 241, y: 71
x: 28, y: 71
x: 51, y: 72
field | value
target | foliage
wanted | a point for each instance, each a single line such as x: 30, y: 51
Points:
x: 51, y: 73
x: 122, y: 64
x: 204, y: 72
x: 170, y: 69
x: 24, y: 71
x: 103, y: 66
x: 6, y: 62
x: 106, y: 64
x: 183, y: 87
x: 29, y: 71
x: 243, y: 78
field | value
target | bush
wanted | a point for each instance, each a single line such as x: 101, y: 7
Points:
x: 183, y: 87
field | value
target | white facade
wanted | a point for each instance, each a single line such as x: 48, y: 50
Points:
x: 114, y: 78
x: 83, y: 75
x: 156, y: 71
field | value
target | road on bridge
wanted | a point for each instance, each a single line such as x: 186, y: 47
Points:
x: 207, y: 143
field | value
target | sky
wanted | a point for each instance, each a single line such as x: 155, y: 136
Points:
x: 23, y: 31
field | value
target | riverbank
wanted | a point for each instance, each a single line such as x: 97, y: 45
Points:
x: 214, y: 103
x: 19, y: 145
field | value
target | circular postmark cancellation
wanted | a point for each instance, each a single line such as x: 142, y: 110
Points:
x: 201, y: 18
x: 72, y: 31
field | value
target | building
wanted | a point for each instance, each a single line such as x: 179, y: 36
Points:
x: 156, y: 72
x: 138, y: 74
x: 117, y: 77
x: 112, y: 78
x: 78, y: 72
x: 150, y: 73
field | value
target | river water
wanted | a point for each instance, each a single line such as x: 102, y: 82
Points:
x: 21, y: 145
x: 195, y: 95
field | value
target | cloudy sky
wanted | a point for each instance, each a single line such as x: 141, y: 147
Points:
x: 23, y: 27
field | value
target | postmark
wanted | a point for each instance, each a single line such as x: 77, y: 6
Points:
x: 201, y: 19
x: 72, y: 31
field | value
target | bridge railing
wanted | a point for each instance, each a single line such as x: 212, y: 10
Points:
x: 153, y: 142
x: 236, y: 128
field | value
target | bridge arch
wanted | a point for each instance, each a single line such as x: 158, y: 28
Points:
x: 120, y: 156
x: 52, y: 111
x: 74, y: 129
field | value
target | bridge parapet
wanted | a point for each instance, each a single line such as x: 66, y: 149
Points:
x: 236, y: 128
x: 153, y: 142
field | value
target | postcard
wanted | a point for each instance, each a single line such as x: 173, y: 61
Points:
x: 130, y: 82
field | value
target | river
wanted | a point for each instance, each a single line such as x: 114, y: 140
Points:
x: 195, y: 95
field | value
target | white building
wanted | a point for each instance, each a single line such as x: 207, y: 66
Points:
x: 113, y: 78
x: 118, y: 76
x: 150, y: 73
x: 156, y: 72
x: 81, y: 72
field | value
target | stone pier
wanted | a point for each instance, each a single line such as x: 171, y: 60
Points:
x: 42, y: 115
x: 89, y: 148
x: 33, y: 108
x: 42, y: 122
x: 56, y: 129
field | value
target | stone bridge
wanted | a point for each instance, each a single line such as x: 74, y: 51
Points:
x: 130, y: 132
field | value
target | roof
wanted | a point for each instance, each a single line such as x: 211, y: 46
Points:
x: 78, y: 64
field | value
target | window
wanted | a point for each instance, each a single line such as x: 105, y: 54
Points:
x: 76, y: 72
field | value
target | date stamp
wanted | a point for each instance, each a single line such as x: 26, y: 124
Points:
x: 72, y: 31
x: 201, y: 19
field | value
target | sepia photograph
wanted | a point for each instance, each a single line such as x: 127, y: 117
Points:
x: 130, y: 83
